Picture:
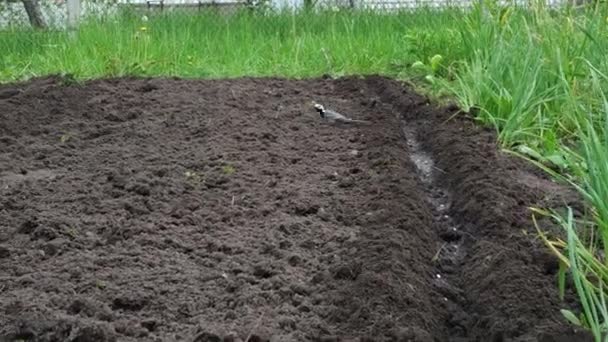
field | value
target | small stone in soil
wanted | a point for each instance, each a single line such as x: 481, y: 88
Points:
x: 293, y: 260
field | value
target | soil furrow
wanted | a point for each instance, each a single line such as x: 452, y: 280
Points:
x: 505, y: 276
x: 448, y: 258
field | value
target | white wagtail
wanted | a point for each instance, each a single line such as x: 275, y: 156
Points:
x: 335, y: 117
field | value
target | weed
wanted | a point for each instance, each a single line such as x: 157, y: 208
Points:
x: 100, y: 284
x: 68, y: 80
x: 71, y: 232
x: 194, y: 178
x: 228, y: 169
x: 64, y: 138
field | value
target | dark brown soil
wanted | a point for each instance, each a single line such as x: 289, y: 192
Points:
x: 188, y: 210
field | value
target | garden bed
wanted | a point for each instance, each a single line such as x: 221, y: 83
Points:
x: 210, y: 210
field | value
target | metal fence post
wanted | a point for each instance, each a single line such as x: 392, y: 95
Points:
x: 73, y: 7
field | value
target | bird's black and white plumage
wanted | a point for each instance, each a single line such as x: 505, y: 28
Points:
x: 334, y: 117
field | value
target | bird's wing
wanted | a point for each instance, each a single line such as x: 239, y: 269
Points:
x: 335, y: 115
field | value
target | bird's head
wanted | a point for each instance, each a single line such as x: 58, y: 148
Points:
x: 319, y: 108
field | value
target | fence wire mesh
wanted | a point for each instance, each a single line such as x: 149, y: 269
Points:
x: 55, y: 12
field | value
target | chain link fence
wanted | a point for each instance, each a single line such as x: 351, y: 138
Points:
x: 54, y: 13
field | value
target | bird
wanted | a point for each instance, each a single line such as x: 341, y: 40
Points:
x: 334, y: 117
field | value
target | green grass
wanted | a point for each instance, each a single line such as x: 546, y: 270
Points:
x: 537, y: 76
x: 215, y: 46
x: 583, y: 252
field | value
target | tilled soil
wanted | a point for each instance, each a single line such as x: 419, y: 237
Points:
x: 226, y: 210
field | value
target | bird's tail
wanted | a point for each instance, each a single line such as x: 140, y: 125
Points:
x: 362, y: 122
